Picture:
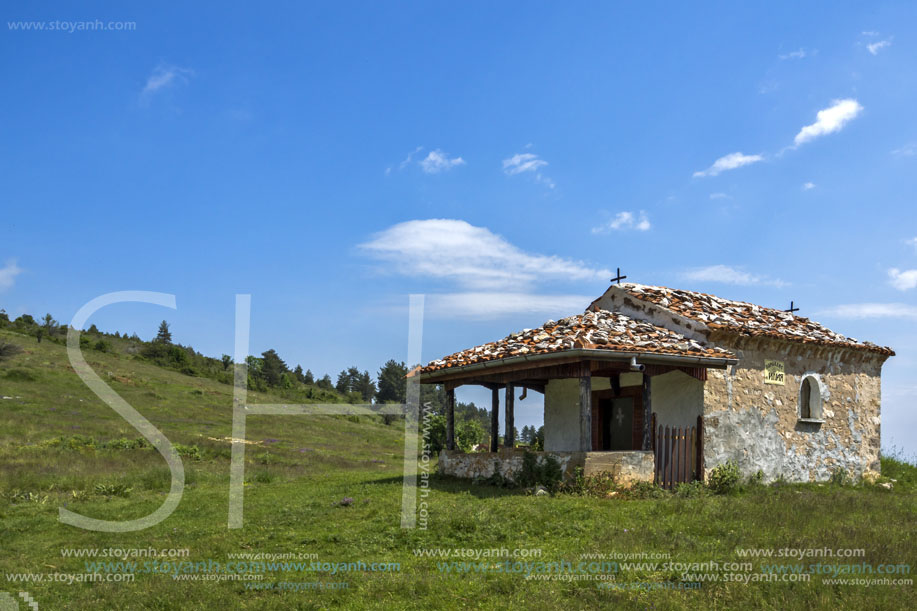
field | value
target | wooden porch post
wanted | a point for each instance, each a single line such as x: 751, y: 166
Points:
x: 585, y: 407
x: 450, y: 419
x: 494, y: 419
x: 647, y: 414
x: 509, y: 439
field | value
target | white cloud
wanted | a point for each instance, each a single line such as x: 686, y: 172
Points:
x: 727, y: 274
x: 912, y: 242
x: 908, y: 150
x: 808, y: 186
x: 875, y: 47
x: 473, y: 257
x: 438, y: 161
x: 719, y: 196
x: 729, y: 162
x: 497, y: 304
x: 829, y: 120
x: 625, y: 220
x: 165, y: 76
x: 527, y: 162
x: 903, y: 280
x: 409, y: 158
x: 523, y: 162
x: 872, y: 310
x: 800, y: 54
x: 8, y: 274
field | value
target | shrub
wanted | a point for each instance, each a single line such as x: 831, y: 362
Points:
x: 646, y: 490
x: 80, y: 441
x: 21, y: 375
x: 101, y: 346
x: 840, y: 477
x: 263, y: 477
x: 112, y: 490
x: 8, y: 350
x: 600, y: 484
x: 724, y: 478
x: 690, y: 490
x: 192, y: 452
x: 126, y: 444
x: 757, y: 479
x: 495, y: 479
x: 20, y: 496
x: 546, y: 472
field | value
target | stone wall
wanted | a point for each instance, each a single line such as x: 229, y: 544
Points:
x: 758, y: 425
x: 626, y: 467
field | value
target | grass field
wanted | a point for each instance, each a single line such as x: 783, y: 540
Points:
x: 60, y: 445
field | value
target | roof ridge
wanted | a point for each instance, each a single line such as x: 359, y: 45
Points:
x: 748, y: 303
x: 742, y: 317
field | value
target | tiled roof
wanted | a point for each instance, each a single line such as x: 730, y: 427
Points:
x: 745, y: 318
x: 597, y: 330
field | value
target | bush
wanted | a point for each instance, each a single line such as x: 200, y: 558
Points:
x: 496, y: 478
x: 600, y: 484
x: 546, y: 472
x: 112, y: 490
x: 126, y: 444
x: 724, y: 478
x: 21, y: 375
x: 690, y: 490
x: 646, y: 490
x: 8, y: 350
x: 840, y: 477
x: 192, y: 452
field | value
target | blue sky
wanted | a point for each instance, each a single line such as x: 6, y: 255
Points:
x: 332, y: 159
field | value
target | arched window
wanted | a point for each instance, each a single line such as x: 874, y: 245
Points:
x: 810, y: 399
x: 805, y: 399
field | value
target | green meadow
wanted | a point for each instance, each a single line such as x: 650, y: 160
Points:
x: 325, y: 493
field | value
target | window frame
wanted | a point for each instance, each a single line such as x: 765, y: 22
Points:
x: 815, y: 400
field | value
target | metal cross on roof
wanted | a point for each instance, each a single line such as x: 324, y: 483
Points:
x: 792, y: 309
x: 619, y: 277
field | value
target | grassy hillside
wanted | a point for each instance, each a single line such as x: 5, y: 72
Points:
x: 60, y: 445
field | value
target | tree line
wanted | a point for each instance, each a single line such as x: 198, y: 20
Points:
x: 269, y: 372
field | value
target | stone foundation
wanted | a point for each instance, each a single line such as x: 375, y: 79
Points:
x: 626, y: 467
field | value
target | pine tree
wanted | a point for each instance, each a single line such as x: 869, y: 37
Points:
x: 227, y: 361
x: 392, y: 383
x: 272, y: 368
x: 164, y: 336
x: 308, y: 378
x: 343, y: 383
x: 365, y: 386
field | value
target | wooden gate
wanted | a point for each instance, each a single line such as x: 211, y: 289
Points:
x: 679, y: 453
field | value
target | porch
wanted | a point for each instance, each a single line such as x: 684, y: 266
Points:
x: 602, y: 411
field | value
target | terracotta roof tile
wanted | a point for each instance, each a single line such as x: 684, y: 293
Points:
x: 745, y: 318
x: 595, y: 329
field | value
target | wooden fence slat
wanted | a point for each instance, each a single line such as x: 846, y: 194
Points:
x: 657, y: 444
x: 685, y: 463
x: 700, y: 448
x: 678, y: 453
x: 676, y: 449
x: 668, y: 457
